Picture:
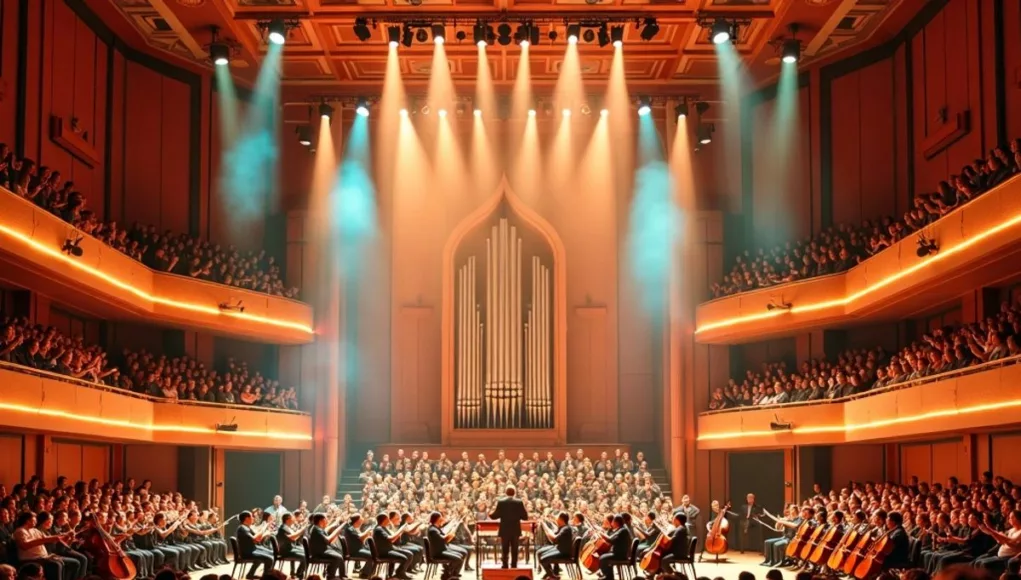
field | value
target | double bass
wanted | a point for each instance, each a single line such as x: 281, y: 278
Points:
x: 716, y: 540
x: 653, y: 558
x: 592, y: 550
x: 111, y: 561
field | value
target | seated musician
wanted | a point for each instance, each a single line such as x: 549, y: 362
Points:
x: 320, y: 548
x: 45, y: 522
x: 439, y: 550
x: 286, y: 538
x: 678, y: 543
x: 775, y: 549
x: 249, y: 545
x: 415, y: 552
x: 968, y: 545
x: 648, y: 533
x: 385, y: 546
x: 562, y: 543
x: 619, y: 539
x: 900, y: 552
x: 354, y: 537
x: 1009, y: 540
x: 31, y: 543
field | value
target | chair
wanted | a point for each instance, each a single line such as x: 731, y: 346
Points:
x: 239, y: 560
x: 571, y: 563
x: 350, y: 556
x: 278, y: 560
x: 626, y: 568
x: 313, y: 564
x: 377, y: 560
x: 431, y: 566
x: 689, y: 560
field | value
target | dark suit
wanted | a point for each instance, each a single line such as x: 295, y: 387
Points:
x: 620, y: 545
x: 900, y: 552
x: 320, y: 550
x: 386, y: 549
x: 251, y: 551
x: 678, y: 549
x: 563, y: 544
x: 692, y: 513
x: 356, y: 548
x: 511, y: 512
x: 750, y: 535
x: 289, y: 550
x: 439, y: 552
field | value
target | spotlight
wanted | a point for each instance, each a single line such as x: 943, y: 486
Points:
x: 926, y: 246
x: 681, y: 110
x: 403, y: 112
x: 478, y: 112
x: 573, y: 32
x: 527, y: 34
x: 588, y: 35
x: 552, y: 35
x: 704, y: 132
x: 407, y: 38
x: 531, y: 112
x: 325, y: 111
x: 438, y: 33
x: 644, y: 106
x: 461, y: 35
x: 604, y: 112
x: 617, y: 36
x: 219, y: 53
x: 72, y: 246
x: 362, y: 108
x: 361, y: 29
x: 277, y: 31
x: 480, y: 33
x: 604, y: 36
x: 650, y: 29
x: 533, y: 34
x: 422, y: 35
x: 304, y: 135
x: 773, y: 305
x: 393, y: 33
x: 721, y: 31
x: 504, y: 31
x: 442, y: 113
x: 586, y: 109
x: 228, y: 307
x: 566, y: 113
x: 791, y: 52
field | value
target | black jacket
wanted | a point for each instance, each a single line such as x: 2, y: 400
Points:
x: 318, y: 542
x: 564, y: 540
x: 679, y: 545
x: 511, y: 512
x: 437, y: 542
x: 620, y: 543
x: 246, y: 541
x: 383, y: 540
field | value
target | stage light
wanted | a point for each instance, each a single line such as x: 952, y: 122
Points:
x: 586, y: 109
x: 480, y: 33
x: 566, y: 113
x: 704, y: 133
x: 403, y: 112
x: 588, y: 35
x: 531, y: 112
x: 478, y: 112
x: 461, y: 35
x: 393, y: 33
x: 438, y: 33
x: 73, y: 246
x: 552, y: 35
x: 791, y: 51
x: 650, y: 29
x: 362, y: 108
x: 617, y: 36
x: 361, y: 29
x: 721, y: 31
x: 304, y: 135
x: 425, y: 109
x: 407, y: 37
x: 604, y: 35
x: 681, y: 110
x: 573, y: 32
x: 504, y: 31
x: 533, y: 34
x: 277, y: 31
x: 422, y: 35
x: 325, y: 111
x: 604, y: 112
x: 442, y: 113
x: 527, y: 34
x: 219, y: 53
x: 644, y: 106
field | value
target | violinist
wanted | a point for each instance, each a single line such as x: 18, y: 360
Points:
x: 153, y: 539
x: 385, y: 547
x: 213, y: 533
x: 619, y: 539
x: 142, y: 559
x: 971, y: 544
x: 32, y: 542
x: 439, y: 551
x: 678, y: 543
x: 76, y: 562
x: 415, y: 553
x: 286, y: 537
x: 775, y: 549
x: 249, y: 541
x: 60, y: 526
x: 561, y: 545
x: 355, y: 539
x: 320, y: 546
x: 197, y: 537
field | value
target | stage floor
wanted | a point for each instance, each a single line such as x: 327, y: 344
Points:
x: 728, y: 570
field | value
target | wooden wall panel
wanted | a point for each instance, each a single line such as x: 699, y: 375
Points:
x: 158, y: 463
x: 753, y: 356
x: 8, y: 70
x: 11, y: 459
x: 935, y: 461
x: 1012, y: 67
x: 916, y: 460
x: 1005, y: 459
x: 857, y: 463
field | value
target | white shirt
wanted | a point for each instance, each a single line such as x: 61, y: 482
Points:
x: 28, y: 535
x: 1005, y: 550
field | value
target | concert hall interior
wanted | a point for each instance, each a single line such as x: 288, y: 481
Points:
x: 502, y: 289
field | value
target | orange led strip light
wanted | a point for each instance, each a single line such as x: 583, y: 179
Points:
x: 879, y: 284
x: 851, y: 427
x: 188, y: 306
x: 148, y: 427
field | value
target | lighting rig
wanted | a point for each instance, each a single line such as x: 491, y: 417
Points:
x: 788, y: 47
x: 278, y: 29
x: 721, y: 30
x: 221, y: 50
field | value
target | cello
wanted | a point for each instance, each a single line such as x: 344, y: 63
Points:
x: 652, y: 559
x: 797, y: 543
x: 827, y: 545
x: 836, y: 560
x: 716, y: 540
x: 111, y: 561
x: 813, y: 541
x: 872, y: 563
x: 854, y: 557
x: 593, y: 549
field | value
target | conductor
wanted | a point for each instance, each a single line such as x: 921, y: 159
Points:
x: 511, y: 512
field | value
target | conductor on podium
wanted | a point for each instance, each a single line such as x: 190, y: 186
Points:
x: 511, y: 512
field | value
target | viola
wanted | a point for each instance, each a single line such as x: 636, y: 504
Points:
x: 716, y: 539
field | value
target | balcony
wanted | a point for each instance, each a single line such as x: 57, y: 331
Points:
x: 36, y: 400
x: 979, y: 245
x: 108, y: 284
x: 980, y: 397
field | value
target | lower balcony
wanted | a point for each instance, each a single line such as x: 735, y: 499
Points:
x: 35, y: 400
x: 983, y: 397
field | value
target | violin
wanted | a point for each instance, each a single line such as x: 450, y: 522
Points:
x: 716, y: 539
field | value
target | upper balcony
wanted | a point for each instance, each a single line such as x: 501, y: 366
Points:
x: 108, y: 284
x: 981, y: 397
x: 37, y: 400
x: 978, y: 243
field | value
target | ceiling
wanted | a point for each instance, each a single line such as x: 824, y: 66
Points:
x: 324, y: 56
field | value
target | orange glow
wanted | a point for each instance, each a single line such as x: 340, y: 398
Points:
x: 851, y: 427
x: 213, y: 310
x: 146, y: 427
x: 943, y: 254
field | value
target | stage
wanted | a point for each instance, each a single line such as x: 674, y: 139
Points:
x: 728, y: 570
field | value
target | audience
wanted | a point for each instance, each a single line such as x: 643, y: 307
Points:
x: 838, y: 248
x: 177, y: 378
x: 858, y: 371
x: 166, y: 252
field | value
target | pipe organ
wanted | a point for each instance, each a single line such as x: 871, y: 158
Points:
x: 504, y: 337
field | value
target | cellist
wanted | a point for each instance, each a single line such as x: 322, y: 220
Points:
x: 678, y: 543
x: 560, y: 547
x: 648, y: 532
x: 775, y: 549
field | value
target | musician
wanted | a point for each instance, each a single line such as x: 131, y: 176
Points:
x: 562, y: 544
x: 152, y: 538
x: 415, y: 553
x: 355, y: 540
x: 286, y: 537
x: 690, y: 511
x: 648, y: 533
x: 58, y: 525
x: 439, y: 551
x: 248, y: 545
x: 143, y: 559
x: 678, y: 543
x: 619, y: 539
x: 320, y: 548
x: 970, y: 544
x: 210, y: 521
x: 75, y: 564
x: 31, y: 543
x: 900, y: 552
x: 277, y: 509
x: 199, y: 536
x: 511, y: 512
x: 748, y: 538
x: 385, y: 546
x: 775, y: 549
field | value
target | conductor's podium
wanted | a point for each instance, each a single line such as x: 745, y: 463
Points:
x: 493, y: 571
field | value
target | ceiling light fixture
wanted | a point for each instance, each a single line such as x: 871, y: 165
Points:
x: 304, y: 135
x: 219, y: 53
x: 362, y: 108
x: 407, y: 37
x: 681, y: 109
x: 650, y: 29
x: 361, y: 29
x: 480, y: 33
x: 277, y: 31
x: 573, y: 32
x: 393, y: 34
x: 722, y: 30
x: 604, y: 35
x: 439, y: 32
x: 644, y: 106
x: 504, y: 31
x: 325, y: 111
x: 617, y: 35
